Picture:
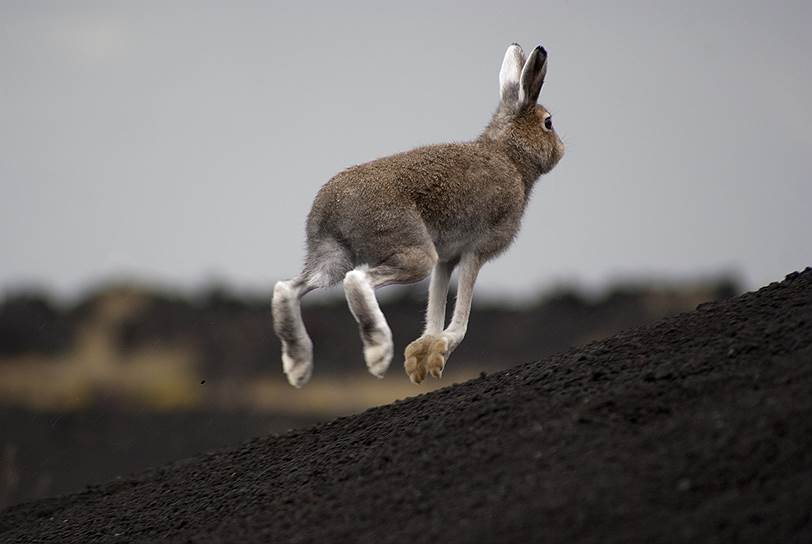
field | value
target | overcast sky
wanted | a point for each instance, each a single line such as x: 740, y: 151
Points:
x: 184, y: 142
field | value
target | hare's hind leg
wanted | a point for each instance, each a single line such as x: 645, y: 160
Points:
x: 408, y: 266
x: 325, y: 266
x: 297, y: 348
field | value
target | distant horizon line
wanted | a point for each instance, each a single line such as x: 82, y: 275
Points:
x: 488, y: 294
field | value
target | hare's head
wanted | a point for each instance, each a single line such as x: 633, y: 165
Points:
x: 520, y: 122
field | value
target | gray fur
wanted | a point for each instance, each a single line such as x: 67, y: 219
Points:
x: 533, y: 73
x: 398, y: 216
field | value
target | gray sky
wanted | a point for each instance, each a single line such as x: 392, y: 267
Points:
x: 183, y: 142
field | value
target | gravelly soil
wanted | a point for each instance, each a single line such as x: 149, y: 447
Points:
x: 698, y: 428
x: 44, y: 454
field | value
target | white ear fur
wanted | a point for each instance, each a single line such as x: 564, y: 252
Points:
x: 532, y: 77
x: 510, y: 74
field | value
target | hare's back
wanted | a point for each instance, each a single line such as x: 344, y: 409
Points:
x: 365, y: 211
x: 451, y: 188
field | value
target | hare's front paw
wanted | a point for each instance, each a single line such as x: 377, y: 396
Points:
x: 426, y: 355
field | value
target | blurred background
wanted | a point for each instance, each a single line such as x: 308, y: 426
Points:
x: 157, y: 162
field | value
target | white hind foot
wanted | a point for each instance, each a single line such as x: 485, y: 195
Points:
x: 375, y: 332
x: 297, y: 348
x: 378, y: 351
x: 426, y: 356
x: 297, y: 363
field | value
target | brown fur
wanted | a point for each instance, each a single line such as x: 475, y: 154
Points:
x: 398, y: 218
x: 475, y: 190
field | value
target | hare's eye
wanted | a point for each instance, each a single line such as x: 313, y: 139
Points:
x: 548, y: 123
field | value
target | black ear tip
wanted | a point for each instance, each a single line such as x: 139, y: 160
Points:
x: 514, y: 43
x: 542, y: 51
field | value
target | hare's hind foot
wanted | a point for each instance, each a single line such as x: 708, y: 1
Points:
x: 297, y: 348
x: 375, y: 332
x: 297, y: 362
x: 378, y: 351
x: 426, y: 355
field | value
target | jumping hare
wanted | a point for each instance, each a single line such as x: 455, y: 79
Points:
x: 429, y: 210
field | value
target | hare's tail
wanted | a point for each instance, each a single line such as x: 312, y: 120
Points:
x: 326, y: 264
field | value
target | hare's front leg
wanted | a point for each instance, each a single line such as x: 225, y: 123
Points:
x: 429, y: 353
x: 417, y: 353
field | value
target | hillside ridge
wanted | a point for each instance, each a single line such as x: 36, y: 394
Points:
x: 694, y: 428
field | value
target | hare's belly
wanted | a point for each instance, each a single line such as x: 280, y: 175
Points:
x: 485, y: 238
x: 452, y: 244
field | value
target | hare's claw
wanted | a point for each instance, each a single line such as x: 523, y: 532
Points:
x: 426, y: 355
x: 437, y: 356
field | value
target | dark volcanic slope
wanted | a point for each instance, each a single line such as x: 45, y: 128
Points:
x: 697, y: 428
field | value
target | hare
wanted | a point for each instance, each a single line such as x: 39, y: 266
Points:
x: 398, y: 219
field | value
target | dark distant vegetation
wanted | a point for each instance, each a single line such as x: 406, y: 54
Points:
x: 231, y: 335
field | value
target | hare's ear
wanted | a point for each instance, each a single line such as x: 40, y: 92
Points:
x: 533, y: 76
x: 510, y: 74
